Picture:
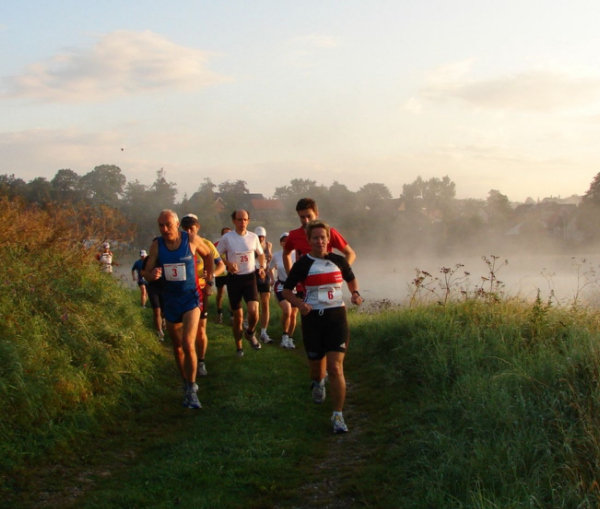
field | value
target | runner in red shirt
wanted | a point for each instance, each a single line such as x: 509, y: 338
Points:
x: 297, y: 241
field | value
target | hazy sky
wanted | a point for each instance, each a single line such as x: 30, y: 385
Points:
x: 497, y: 95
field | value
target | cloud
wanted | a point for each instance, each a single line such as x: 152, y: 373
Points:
x: 120, y: 63
x: 537, y: 90
x: 318, y: 41
x: 413, y: 106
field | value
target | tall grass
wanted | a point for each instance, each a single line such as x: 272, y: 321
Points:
x: 488, y: 402
x: 72, y: 346
x: 481, y: 405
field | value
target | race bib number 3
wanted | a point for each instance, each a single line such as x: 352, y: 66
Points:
x: 330, y: 295
x: 174, y: 271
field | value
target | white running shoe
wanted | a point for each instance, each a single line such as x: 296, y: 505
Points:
x: 161, y: 335
x: 202, y: 369
x: 264, y: 337
x: 318, y: 391
x: 240, y: 352
x: 339, y: 426
x: 285, y: 341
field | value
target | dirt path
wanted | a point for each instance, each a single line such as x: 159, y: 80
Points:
x: 345, y: 455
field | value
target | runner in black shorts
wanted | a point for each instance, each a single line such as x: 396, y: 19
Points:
x: 221, y: 283
x: 324, y: 324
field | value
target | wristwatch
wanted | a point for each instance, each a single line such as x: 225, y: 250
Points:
x: 356, y: 292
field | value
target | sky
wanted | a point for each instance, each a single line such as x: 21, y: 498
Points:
x: 496, y: 95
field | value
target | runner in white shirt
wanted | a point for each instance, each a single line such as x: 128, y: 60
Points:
x: 288, y: 312
x: 240, y: 249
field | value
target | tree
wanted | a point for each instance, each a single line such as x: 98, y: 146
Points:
x: 163, y: 192
x: 499, y: 209
x: 588, y: 212
x: 431, y: 195
x: 39, y: 191
x: 11, y: 186
x: 65, y: 185
x: 371, y: 195
x: 592, y: 195
x: 233, y: 193
x: 65, y: 180
x: 103, y: 185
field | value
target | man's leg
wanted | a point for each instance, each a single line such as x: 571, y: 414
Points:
x: 188, y: 343
x: 175, y: 333
x: 252, y: 314
x: 157, y: 317
x: 264, y: 309
x: 201, y: 346
x: 286, y: 315
x: 238, y: 318
x: 144, y: 296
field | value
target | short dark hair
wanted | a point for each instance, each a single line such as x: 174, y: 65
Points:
x: 233, y: 214
x: 307, y: 204
x: 225, y: 228
x: 317, y: 223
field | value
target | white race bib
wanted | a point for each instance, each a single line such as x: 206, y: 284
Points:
x: 242, y: 258
x: 330, y: 295
x: 174, y: 271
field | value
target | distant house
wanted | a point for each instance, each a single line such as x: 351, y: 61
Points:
x: 266, y: 209
x: 556, y: 219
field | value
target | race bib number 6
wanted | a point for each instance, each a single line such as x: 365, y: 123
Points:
x: 330, y: 295
x: 174, y: 271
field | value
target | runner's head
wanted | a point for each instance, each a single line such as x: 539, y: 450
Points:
x: 143, y: 254
x: 225, y: 230
x: 168, y: 224
x: 282, y: 238
x: 240, y: 219
x: 307, y: 211
x: 106, y: 246
x: 261, y: 232
x: 318, y: 233
x: 190, y: 223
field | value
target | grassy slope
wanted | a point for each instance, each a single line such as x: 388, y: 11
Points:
x: 477, y: 405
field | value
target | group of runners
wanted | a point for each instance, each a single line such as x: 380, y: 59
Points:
x: 306, y: 276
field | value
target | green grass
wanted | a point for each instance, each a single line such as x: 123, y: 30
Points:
x: 469, y: 405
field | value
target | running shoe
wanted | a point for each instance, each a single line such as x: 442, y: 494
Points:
x: 291, y: 344
x: 240, y: 352
x: 245, y: 324
x: 318, y: 391
x: 191, y: 397
x: 202, y: 369
x: 252, y: 340
x: 339, y: 426
x: 193, y: 401
x: 285, y: 341
x: 219, y: 318
x: 161, y: 335
x: 264, y: 337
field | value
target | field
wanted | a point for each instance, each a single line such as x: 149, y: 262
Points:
x: 469, y: 401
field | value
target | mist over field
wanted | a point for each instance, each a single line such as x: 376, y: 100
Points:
x: 565, y: 276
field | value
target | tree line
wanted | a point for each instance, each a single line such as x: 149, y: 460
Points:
x: 425, y: 215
